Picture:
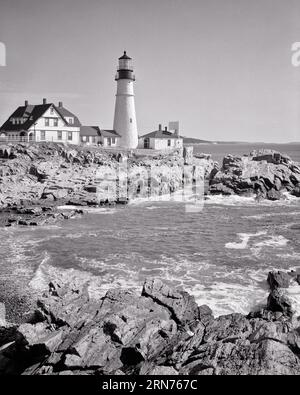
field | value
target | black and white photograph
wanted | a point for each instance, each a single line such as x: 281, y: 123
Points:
x: 149, y: 190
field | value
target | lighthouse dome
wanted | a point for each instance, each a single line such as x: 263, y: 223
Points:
x: 125, y: 56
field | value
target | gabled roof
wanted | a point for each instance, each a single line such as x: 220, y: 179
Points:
x: 109, y: 133
x: 161, y: 134
x: 66, y: 113
x: 89, y: 131
x: 32, y: 113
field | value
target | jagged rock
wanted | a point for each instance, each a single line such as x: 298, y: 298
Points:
x: 230, y: 327
x: 266, y: 173
x: 39, y: 335
x: 52, y: 172
x: 278, y: 280
x: 181, y: 305
x: 266, y: 357
x: 205, y: 314
x: 279, y: 301
x: 160, y: 332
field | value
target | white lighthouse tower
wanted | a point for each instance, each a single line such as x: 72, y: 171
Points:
x: 125, y: 119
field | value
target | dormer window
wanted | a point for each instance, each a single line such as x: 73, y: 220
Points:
x: 71, y: 121
x: 51, y: 110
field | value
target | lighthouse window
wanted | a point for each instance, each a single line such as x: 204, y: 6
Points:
x: 169, y: 143
x: 130, y: 120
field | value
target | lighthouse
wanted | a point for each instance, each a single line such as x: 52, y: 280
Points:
x: 125, y: 119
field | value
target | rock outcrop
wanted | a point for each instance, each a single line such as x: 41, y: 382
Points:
x: 265, y: 173
x: 50, y: 174
x: 161, y: 331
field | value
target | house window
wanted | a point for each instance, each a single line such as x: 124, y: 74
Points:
x: 108, y: 141
x: 113, y: 140
x: 169, y: 143
x: 93, y: 139
x: 51, y: 110
x: 83, y: 139
x: 69, y: 136
x: 55, y: 122
x: 46, y: 121
x: 71, y: 121
x: 59, y: 135
x: 43, y: 135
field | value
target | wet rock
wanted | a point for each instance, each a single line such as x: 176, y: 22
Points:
x: 296, y: 192
x: 274, y: 194
x: 279, y: 301
x: 205, y: 314
x: 220, y: 189
x: 278, y: 280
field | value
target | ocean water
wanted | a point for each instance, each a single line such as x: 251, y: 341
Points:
x: 221, y: 254
x: 218, y: 151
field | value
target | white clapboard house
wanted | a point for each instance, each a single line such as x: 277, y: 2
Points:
x: 41, y: 122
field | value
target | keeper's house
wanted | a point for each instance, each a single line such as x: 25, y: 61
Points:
x: 161, y: 140
x: 41, y: 122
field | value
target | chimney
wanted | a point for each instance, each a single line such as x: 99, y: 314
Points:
x: 26, y: 103
x: 166, y: 128
x: 44, y: 101
x: 159, y: 127
x: 60, y: 104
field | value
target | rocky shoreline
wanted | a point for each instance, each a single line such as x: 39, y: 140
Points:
x: 160, y: 331
x: 266, y: 174
x: 36, y: 180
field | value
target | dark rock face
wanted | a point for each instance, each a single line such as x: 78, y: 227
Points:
x: 265, y: 173
x: 162, y: 331
x: 279, y: 301
x: 278, y: 280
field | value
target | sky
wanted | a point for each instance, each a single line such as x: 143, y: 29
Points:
x: 222, y: 68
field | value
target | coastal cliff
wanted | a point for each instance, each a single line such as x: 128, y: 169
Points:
x: 36, y: 178
x: 160, y: 331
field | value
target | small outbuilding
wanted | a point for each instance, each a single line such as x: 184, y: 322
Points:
x: 161, y: 139
x: 94, y: 135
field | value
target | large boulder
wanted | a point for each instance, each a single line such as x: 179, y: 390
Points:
x: 266, y: 173
x: 182, y: 306
x: 279, y: 301
x: 278, y: 279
